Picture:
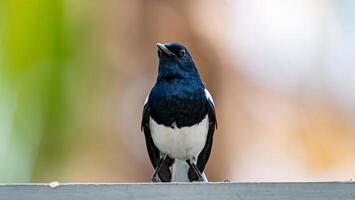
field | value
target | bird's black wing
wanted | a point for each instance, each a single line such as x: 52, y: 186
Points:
x: 206, y: 151
x: 153, y: 151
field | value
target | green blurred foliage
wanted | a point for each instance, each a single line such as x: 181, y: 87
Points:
x: 34, y: 61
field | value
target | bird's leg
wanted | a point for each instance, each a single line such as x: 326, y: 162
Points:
x: 160, y: 164
x: 192, y: 163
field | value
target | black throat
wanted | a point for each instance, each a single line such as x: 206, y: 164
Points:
x: 178, y: 100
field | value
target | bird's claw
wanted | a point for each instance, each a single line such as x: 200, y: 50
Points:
x: 155, y: 179
x: 200, y: 179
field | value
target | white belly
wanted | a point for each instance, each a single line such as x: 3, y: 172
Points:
x: 180, y: 143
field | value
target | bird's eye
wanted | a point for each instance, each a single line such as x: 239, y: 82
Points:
x: 182, y: 53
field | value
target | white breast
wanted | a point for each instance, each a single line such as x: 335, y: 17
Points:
x: 180, y: 143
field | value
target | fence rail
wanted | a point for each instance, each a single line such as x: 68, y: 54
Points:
x: 186, y: 191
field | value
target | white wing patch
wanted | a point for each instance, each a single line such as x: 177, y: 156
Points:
x: 146, y: 100
x: 208, y: 96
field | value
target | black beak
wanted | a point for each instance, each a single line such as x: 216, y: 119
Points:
x: 163, y: 49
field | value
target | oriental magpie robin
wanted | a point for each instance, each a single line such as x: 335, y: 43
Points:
x: 178, y: 118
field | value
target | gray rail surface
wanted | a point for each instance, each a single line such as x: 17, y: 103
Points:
x: 186, y: 191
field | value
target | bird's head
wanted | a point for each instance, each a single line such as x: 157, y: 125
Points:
x: 175, y: 61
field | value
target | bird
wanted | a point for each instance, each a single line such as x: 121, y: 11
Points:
x: 178, y: 119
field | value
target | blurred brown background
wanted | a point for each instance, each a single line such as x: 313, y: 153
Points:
x: 74, y: 76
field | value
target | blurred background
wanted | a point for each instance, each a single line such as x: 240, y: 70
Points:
x: 74, y: 75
